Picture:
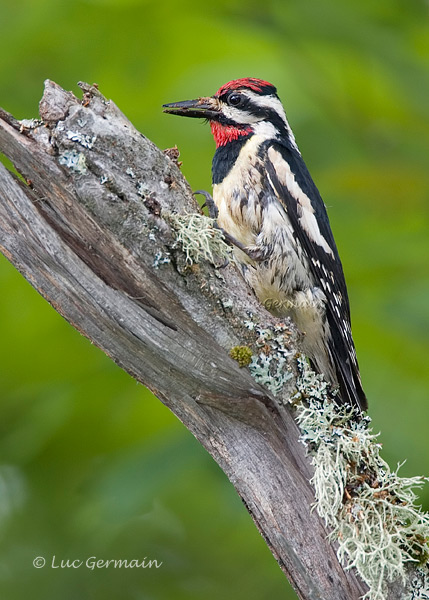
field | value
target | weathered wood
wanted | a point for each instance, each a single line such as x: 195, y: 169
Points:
x: 88, y: 231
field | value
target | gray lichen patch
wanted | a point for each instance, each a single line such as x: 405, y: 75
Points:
x: 161, y: 258
x: 87, y: 141
x: 371, y: 510
x: 73, y: 160
x: 29, y: 124
x: 271, y: 365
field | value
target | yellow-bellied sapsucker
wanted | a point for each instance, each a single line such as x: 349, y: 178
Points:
x: 267, y: 203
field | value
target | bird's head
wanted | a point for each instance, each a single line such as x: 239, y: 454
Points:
x: 239, y: 108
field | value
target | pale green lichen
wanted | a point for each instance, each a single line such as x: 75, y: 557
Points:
x: 199, y: 238
x: 227, y: 303
x: 142, y: 190
x: 370, y: 508
x: 271, y: 366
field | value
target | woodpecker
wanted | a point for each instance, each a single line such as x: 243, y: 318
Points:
x: 267, y: 203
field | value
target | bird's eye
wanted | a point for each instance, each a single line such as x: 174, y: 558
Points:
x: 235, y: 99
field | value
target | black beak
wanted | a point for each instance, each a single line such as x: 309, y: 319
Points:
x: 204, y: 108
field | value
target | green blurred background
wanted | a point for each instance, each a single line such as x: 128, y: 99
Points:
x: 90, y: 463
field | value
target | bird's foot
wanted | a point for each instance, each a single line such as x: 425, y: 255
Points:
x: 210, y: 203
x: 254, y: 253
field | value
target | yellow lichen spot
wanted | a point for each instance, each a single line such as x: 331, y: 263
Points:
x: 242, y: 354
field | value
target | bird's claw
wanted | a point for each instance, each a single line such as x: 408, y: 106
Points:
x: 210, y: 203
x: 254, y: 253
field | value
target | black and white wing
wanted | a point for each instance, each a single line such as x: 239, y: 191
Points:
x: 295, y: 190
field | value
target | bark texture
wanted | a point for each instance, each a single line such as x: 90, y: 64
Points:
x: 86, y: 226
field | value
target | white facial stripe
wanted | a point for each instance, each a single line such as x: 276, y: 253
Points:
x: 238, y: 115
x: 270, y: 102
x: 306, y: 212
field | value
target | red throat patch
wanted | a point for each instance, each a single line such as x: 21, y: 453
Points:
x: 223, y: 134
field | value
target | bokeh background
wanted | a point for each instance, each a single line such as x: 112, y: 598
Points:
x: 91, y: 464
